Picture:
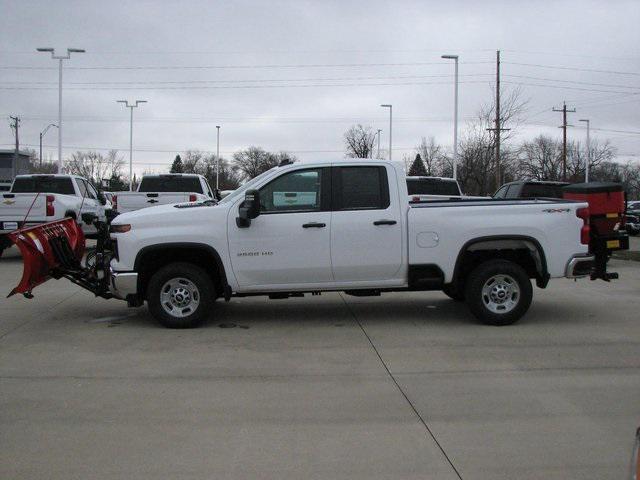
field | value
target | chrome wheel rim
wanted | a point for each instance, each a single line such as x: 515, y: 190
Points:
x: 500, y: 294
x: 179, y: 297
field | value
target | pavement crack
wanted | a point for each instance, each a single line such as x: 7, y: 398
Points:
x: 406, y: 397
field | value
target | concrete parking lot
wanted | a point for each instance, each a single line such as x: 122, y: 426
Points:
x: 402, y: 386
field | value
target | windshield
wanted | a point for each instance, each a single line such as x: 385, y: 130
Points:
x: 240, y: 191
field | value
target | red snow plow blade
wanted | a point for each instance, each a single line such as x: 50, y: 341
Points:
x: 48, y: 251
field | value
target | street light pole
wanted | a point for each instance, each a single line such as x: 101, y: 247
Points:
x: 455, y: 116
x: 379, y: 131
x: 218, y: 157
x: 60, y: 58
x: 42, y: 134
x: 390, y: 107
x: 131, y: 106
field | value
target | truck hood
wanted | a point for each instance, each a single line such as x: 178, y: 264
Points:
x: 181, y: 213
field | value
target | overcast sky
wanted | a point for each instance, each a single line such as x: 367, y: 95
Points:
x: 295, y: 75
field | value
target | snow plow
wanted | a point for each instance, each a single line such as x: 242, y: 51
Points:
x: 57, y: 250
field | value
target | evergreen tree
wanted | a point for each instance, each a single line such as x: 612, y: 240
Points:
x: 177, y: 166
x: 417, y: 168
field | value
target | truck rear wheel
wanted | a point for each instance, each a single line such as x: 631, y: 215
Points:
x: 180, y: 295
x: 498, y: 292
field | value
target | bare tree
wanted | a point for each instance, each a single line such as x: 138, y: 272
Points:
x: 94, y: 166
x: 253, y: 161
x: 358, y: 141
x: 432, y: 155
x: 540, y: 159
x: 577, y: 158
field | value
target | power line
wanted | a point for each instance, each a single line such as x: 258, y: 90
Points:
x: 222, y: 67
x: 308, y: 79
x: 577, y: 69
x: 245, y: 87
x: 574, y: 82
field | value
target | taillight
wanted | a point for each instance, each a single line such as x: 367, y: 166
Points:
x: 114, y: 202
x: 51, y: 211
x: 583, y: 213
x: 192, y: 197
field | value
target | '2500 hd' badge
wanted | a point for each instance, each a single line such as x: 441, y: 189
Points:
x: 254, y: 254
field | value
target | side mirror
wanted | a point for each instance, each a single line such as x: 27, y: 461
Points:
x: 249, y: 209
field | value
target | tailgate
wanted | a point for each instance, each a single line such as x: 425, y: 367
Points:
x: 45, y: 249
x: 15, y: 206
x: 137, y: 200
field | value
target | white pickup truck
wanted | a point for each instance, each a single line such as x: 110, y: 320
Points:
x: 343, y: 226
x: 164, y: 189
x: 36, y: 199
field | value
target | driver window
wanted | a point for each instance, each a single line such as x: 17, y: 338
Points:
x: 501, y: 193
x: 298, y: 191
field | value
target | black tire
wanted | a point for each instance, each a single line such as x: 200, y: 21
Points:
x: 452, y: 292
x: 203, y: 295
x: 515, y: 284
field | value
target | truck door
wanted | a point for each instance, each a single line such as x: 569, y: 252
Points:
x: 366, y: 231
x: 288, y: 244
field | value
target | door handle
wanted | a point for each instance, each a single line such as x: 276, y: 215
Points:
x: 385, y: 222
x: 314, y: 225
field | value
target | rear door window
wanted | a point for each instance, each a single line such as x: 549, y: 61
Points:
x: 360, y: 188
x: 60, y: 185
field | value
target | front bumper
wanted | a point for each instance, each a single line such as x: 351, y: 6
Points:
x: 123, y: 284
x: 580, y: 266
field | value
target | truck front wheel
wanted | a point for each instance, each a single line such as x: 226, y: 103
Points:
x: 498, y: 292
x: 180, y: 295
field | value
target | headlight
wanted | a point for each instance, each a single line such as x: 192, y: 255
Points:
x: 122, y: 228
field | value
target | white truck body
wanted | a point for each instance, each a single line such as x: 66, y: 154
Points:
x: 36, y: 199
x: 164, y: 189
x: 348, y: 226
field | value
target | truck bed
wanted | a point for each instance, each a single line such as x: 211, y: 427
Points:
x: 437, y: 230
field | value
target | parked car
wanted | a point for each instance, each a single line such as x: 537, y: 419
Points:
x: 632, y: 224
x: 424, y: 189
x: 633, y: 207
x: 530, y: 189
x: 36, y: 199
x: 5, y: 186
x: 327, y: 226
x: 164, y: 189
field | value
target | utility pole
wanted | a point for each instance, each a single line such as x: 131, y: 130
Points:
x: 498, y: 125
x: 564, y: 137
x: 379, y: 131
x: 586, y: 167
x: 16, y: 155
